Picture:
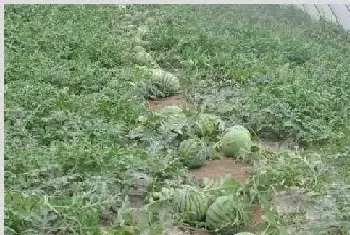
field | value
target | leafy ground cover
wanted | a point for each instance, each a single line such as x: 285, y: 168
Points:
x: 82, y: 141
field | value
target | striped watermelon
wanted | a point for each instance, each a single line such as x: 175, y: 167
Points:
x: 192, y: 154
x: 149, y: 91
x: 225, y: 215
x: 191, y: 204
x: 236, y: 142
x: 166, y: 82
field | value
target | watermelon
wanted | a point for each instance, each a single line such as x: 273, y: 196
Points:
x: 144, y: 58
x: 236, y: 142
x: 165, y: 81
x: 244, y: 233
x: 192, y: 154
x: 149, y: 91
x: 191, y: 204
x: 208, y: 125
x: 225, y: 215
x: 171, y: 119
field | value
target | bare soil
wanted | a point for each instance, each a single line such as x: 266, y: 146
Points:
x: 257, y: 219
x: 177, y: 100
x: 216, y: 169
x: 180, y: 230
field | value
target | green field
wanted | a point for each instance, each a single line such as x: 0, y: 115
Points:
x: 79, y: 130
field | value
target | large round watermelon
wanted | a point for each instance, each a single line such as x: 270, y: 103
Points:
x: 192, y: 154
x: 191, y: 204
x: 225, y: 215
x: 165, y: 81
x: 236, y: 142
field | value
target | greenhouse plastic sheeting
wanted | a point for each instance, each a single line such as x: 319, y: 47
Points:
x: 336, y: 13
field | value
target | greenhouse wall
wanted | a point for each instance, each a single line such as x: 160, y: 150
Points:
x: 336, y: 13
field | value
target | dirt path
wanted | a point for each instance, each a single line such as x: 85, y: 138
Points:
x: 216, y: 169
x: 177, y: 100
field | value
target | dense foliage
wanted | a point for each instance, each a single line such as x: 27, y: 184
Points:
x: 78, y: 127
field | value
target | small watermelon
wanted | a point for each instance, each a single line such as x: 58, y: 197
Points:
x: 236, y: 142
x: 225, y: 215
x: 192, y: 153
x: 191, y: 204
x: 208, y: 125
x: 144, y: 58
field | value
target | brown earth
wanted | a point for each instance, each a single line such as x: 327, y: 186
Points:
x: 216, y: 169
x: 178, y: 100
x: 257, y: 218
